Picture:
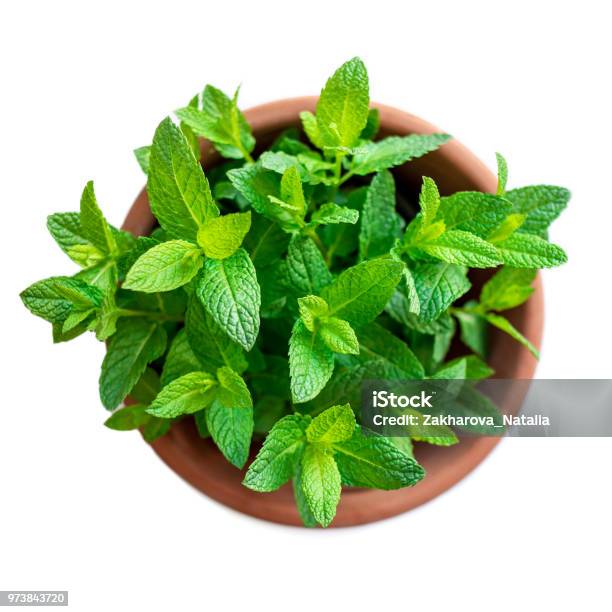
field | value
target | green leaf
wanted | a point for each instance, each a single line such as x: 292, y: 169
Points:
x: 335, y: 424
x: 360, y: 293
x: 164, y: 267
x: 342, y: 240
x: 222, y: 236
x: 394, y: 151
x: 529, y: 251
x: 474, y: 367
x: 505, y: 325
x: 230, y: 417
x: 507, y: 227
x: 381, y: 226
x: 311, y: 309
x: 178, y: 191
x: 277, y: 460
x: 404, y: 303
x: 438, y: 286
x: 463, y: 248
x: 320, y: 483
x: 136, y: 343
x: 508, y: 288
x: 473, y: 331
x: 300, y: 500
x: 229, y: 290
x: 258, y: 185
x: 375, y: 462
x: 429, y: 200
x: 372, y: 125
x: 292, y: 194
x: 212, y: 347
x: 147, y: 387
x: 311, y: 363
x: 331, y: 213
x: 342, y: 109
x: 184, y: 395
x: 66, y: 231
x: 541, y: 204
x: 339, y: 336
x: 128, y: 259
x: 502, y: 173
x: 221, y: 122
x: 128, y: 418
x: 155, y: 428
x: 311, y: 127
x: 378, y: 344
x: 439, y: 435
x: 474, y: 212
x: 143, y: 157
x: 306, y: 267
x: 265, y: 242
x: 94, y: 227
x: 55, y: 298
x: 180, y: 360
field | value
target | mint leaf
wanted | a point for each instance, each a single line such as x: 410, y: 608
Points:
x: 474, y: 212
x: 136, y: 343
x: 335, y: 424
x: 94, y: 227
x: 185, y: 395
x: 164, y: 267
x: 529, y: 251
x: 473, y: 331
x: 180, y: 360
x: 262, y: 189
x: 404, y: 303
x: 143, y: 157
x: 230, y: 417
x: 372, y: 125
x: 220, y: 121
x: 306, y: 267
x: 339, y: 336
x: 394, y: 151
x: 375, y: 462
x: 277, y: 460
x: 508, y: 288
x: 265, y: 242
x: 505, y: 325
x: 541, y: 204
x: 429, y: 200
x: 331, y: 213
x: 438, y: 286
x: 507, y: 227
x: 211, y: 345
x: 360, y: 293
x: 464, y: 249
x: 66, y: 231
x: 229, y: 290
x: 439, y: 435
x: 312, y: 308
x: 55, y: 298
x: 178, y: 191
x: 311, y: 127
x: 321, y: 484
x: 155, y: 428
x: 502, y: 173
x: 311, y: 363
x: 342, y: 109
x: 222, y: 236
x: 300, y: 500
x: 378, y: 344
x: 128, y: 418
x: 147, y: 387
x: 380, y: 224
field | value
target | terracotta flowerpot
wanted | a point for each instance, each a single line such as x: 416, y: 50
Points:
x: 199, y: 462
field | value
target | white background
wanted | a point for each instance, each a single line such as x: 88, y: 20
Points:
x: 94, y: 511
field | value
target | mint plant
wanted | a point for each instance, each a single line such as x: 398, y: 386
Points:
x: 279, y: 280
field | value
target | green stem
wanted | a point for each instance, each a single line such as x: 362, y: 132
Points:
x: 315, y: 237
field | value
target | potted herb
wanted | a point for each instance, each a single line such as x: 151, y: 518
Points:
x: 296, y: 265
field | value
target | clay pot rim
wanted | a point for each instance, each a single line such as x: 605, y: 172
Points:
x: 199, y: 463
